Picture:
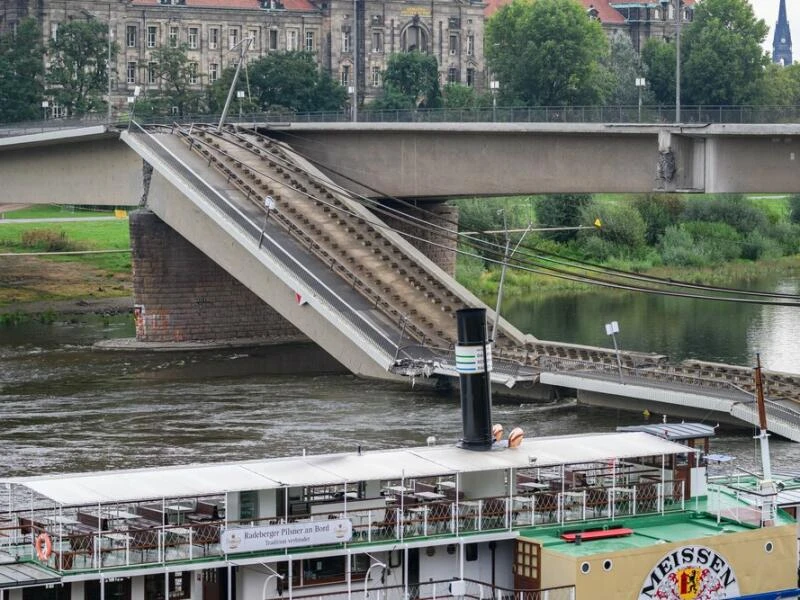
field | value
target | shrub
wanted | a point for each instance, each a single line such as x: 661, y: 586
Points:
x: 677, y: 248
x: 659, y: 211
x: 719, y: 241
x: 794, y: 209
x: 622, y: 226
x: 732, y: 209
x: 758, y: 246
x: 48, y: 240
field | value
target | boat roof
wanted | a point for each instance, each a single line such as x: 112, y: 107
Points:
x: 328, y: 469
x: 673, y: 431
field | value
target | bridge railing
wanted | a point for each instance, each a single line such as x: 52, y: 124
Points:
x: 652, y: 114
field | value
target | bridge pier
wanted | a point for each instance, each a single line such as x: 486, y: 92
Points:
x: 181, y: 295
x: 442, y: 249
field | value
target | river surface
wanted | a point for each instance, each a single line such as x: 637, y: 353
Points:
x: 67, y: 407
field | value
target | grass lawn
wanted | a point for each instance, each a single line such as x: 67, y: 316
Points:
x: 51, y: 211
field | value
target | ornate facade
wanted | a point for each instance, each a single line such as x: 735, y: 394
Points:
x: 341, y: 33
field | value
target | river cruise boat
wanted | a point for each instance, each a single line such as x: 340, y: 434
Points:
x: 619, y: 515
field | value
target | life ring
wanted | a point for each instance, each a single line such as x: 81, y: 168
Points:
x: 43, y: 546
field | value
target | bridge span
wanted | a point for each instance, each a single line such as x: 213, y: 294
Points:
x: 348, y: 281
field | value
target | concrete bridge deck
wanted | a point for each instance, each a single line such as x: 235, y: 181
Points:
x: 374, y: 302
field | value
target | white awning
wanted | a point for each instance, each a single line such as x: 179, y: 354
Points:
x: 427, y: 461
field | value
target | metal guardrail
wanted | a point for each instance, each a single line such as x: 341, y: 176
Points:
x: 628, y: 114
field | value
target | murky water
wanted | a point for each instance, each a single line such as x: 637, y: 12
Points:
x: 678, y: 327
x: 66, y: 407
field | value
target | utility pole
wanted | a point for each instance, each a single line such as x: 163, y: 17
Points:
x: 243, y: 47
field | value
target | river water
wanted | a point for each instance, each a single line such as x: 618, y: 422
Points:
x: 67, y: 407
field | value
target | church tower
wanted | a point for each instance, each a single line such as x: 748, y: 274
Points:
x: 782, y: 42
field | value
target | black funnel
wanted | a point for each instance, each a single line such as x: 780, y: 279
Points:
x: 474, y: 362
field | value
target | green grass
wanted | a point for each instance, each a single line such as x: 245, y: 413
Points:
x: 85, y: 235
x: 51, y: 211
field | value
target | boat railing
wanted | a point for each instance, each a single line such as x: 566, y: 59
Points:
x: 441, y: 589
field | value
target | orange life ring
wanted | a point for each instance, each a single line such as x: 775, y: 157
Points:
x: 43, y: 546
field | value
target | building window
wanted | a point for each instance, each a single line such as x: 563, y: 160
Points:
x: 213, y: 72
x: 131, y: 72
x: 345, y: 75
x: 54, y: 31
x: 377, y: 41
x: 152, y: 72
x: 213, y: 38
x: 453, y: 43
x: 470, y: 77
x: 253, y: 35
x: 173, y: 37
x: 152, y: 36
x: 376, y: 77
x: 193, y: 73
x: 291, y: 40
x: 470, y: 45
x: 346, y: 41
x: 452, y: 75
x: 414, y: 38
x: 233, y: 37
x: 130, y: 36
x: 273, y: 39
x: 310, y: 41
x: 193, y: 38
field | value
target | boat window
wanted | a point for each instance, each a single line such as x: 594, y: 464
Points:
x: 330, y: 569
x: 179, y: 586
x: 471, y: 552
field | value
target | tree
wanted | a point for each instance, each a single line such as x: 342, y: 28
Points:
x: 547, y: 52
x: 411, y: 80
x: 561, y: 210
x: 794, y: 209
x: 21, y: 73
x: 624, y: 68
x: 288, y: 80
x: 175, y: 73
x: 724, y: 62
x: 78, y: 74
x: 781, y: 86
x: 658, y: 60
x: 462, y: 96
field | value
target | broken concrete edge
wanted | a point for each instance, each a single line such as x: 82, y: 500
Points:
x: 132, y: 344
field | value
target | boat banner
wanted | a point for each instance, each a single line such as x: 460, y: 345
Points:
x: 287, y: 535
x: 691, y: 573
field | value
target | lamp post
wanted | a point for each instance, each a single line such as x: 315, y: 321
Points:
x: 641, y: 83
x: 239, y: 96
x: 351, y: 91
x: 45, y: 106
x: 494, y: 85
x: 678, y: 4
x: 355, y: 61
x: 108, y: 62
x: 132, y: 101
x: 612, y: 329
x: 366, y: 576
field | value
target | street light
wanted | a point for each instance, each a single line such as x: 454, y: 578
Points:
x: 678, y: 4
x: 45, y: 106
x: 239, y: 96
x: 132, y: 101
x: 494, y: 85
x: 612, y: 329
x: 641, y: 83
x: 351, y: 91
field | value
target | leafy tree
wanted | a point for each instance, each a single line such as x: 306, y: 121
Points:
x: 624, y: 68
x: 173, y: 71
x: 288, y: 80
x: 781, y: 86
x: 658, y: 60
x: 732, y: 209
x: 561, y: 210
x: 78, y: 73
x: 547, y: 52
x: 659, y: 211
x: 411, y: 80
x: 724, y: 62
x: 794, y: 209
x: 21, y: 73
x: 462, y: 96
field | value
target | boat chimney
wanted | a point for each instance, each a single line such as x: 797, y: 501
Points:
x: 474, y: 363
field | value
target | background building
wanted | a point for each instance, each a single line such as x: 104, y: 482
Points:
x: 348, y: 37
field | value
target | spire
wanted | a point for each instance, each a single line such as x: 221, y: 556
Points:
x: 782, y: 42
